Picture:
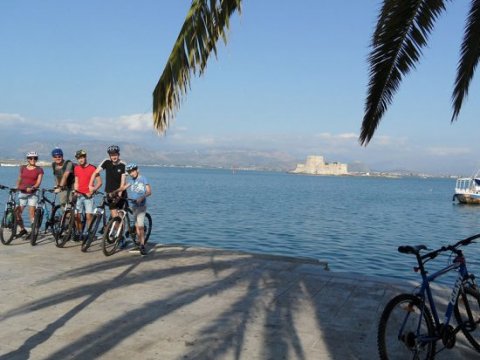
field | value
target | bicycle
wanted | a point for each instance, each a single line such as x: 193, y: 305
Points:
x: 53, y: 217
x: 410, y: 323
x: 8, y: 227
x: 67, y: 228
x: 99, y: 217
x: 121, y: 226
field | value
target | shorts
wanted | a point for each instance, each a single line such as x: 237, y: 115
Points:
x: 65, y: 196
x: 25, y: 199
x: 85, y: 203
x: 139, y: 215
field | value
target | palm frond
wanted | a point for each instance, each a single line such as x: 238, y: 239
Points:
x: 207, y: 21
x: 402, y: 31
x: 469, y: 55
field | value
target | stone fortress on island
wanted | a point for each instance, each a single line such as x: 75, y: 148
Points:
x: 316, y: 165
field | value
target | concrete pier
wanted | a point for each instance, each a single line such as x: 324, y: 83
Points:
x: 185, y: 303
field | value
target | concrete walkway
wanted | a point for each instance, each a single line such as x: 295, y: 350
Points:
x: 185, y: 303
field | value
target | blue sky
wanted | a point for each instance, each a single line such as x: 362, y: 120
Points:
x: 292, y: 78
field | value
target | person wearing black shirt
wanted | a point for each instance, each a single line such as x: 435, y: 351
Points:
x: 115, y: 178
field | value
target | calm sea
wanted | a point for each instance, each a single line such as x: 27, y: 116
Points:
x: 354, y: 223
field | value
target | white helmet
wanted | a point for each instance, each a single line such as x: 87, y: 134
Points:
x: 32, y: 154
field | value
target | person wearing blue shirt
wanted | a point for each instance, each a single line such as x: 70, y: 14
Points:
x: 139, y: 189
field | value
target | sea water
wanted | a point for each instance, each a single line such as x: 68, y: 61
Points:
x: 354, y: 223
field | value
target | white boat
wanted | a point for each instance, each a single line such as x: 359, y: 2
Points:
x: 467, y: 190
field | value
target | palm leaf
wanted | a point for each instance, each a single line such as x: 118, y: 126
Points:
x: 402, y: 31
x: 206, y: 22
x: 469, y: 55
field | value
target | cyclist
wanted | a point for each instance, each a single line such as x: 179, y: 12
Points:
x: 63, y: 174
x: 29, y: 180
x: 139, y: 189
x: 83, y: 171
x: 114, y: 179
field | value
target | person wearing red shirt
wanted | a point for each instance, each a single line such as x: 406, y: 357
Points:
x: 29, y: 180
x: 83, y: 172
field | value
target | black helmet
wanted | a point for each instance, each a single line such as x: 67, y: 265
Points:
x: 113, y: 149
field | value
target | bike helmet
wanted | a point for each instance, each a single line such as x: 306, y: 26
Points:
x: 131, y: 167
x: 113, y: 149
x: 57, y: 152
x: 80, y: 153
x: 32, y: 154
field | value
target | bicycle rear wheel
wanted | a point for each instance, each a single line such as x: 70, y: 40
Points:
x: 469, y: 303
x: 37, y: 222
x: 112, y: 235
x: 8, y: 227
x: 399, y: 334
x: 147, y: 226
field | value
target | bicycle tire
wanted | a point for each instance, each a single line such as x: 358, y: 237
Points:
x: 8, y: 230
x: 147, y: 227
x: 393, y: 345
x: 471, y: 296
x: 37, y: 222
x: 61, y: 238
x: 55, y: 220
x: 112, y: 235
x: 92, y: 233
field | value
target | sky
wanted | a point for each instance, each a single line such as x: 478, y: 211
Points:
x: 292, y: 79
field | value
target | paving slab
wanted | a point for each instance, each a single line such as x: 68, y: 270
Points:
x: 182, y: 302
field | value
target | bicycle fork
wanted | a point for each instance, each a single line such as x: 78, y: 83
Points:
x: 116, y: 231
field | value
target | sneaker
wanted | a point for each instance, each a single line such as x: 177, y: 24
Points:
x: 143, y: 251
x: 21, y: 233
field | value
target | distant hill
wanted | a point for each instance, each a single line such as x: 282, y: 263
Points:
x: 223, y: 158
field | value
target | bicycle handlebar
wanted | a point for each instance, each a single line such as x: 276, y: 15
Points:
x: 4, y: 187
x: 433, y: 254
x: 48, y: 190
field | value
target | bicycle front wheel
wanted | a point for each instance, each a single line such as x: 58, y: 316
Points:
x: 63, y: 234
x: 92, y: 233
x: 112, y: 236
x: 8, y: 227
x: 406, y: 330
x: 55, y: 221
x: 467, y: 313
x: 37, y: 222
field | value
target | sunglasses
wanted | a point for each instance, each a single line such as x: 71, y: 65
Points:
x: 32, y: 158
x: 58, y: 156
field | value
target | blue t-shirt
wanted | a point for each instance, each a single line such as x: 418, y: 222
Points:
x: 137, y: 189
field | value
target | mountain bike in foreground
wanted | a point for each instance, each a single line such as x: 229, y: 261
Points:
x: 410, y: 326
x: 8, y: 227
x: 53, y: 215
x: 98, y: 222
x: 121, y: 226
x: 67, y: 228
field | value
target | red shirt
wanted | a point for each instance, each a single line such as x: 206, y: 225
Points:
x: 83, y: 175
x: 28, y: 177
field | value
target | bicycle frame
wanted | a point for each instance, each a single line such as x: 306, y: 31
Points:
x: 41, y: 204
x: 463, y: 274
x: 100, y: 209
x: 11, y: 202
